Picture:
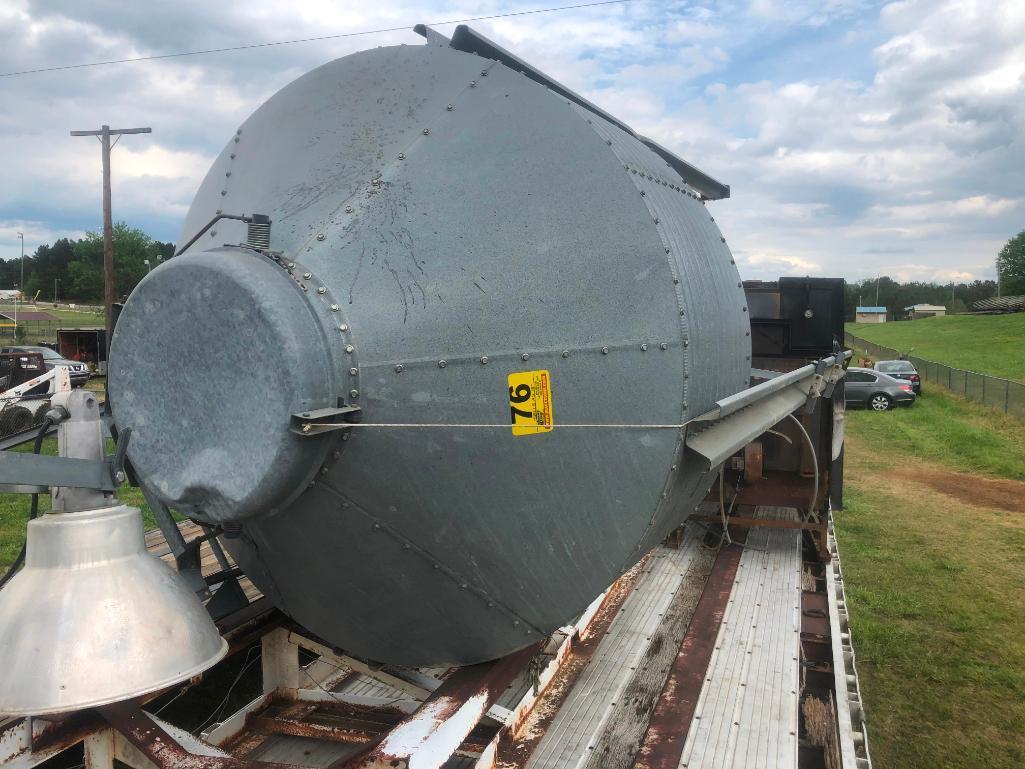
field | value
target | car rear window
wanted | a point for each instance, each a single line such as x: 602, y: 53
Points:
x: 896, y: 366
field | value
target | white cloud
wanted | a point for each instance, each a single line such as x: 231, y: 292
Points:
x: 856, y: 140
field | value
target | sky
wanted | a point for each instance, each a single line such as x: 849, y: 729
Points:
x: 859, y: 138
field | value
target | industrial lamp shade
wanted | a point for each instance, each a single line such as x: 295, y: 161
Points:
x: 93, y: 618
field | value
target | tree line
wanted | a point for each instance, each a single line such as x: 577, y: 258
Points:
x: 74, y: 268
x: 895, y: 296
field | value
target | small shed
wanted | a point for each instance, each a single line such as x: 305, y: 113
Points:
x: 870, y: 315
x: 916, y: 311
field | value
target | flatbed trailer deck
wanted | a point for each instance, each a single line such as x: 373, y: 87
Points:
x: 700, y: 656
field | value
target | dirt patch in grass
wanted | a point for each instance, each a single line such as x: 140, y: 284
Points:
x: 971, y: 489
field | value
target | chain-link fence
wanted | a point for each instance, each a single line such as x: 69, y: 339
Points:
x: 1004, y: 394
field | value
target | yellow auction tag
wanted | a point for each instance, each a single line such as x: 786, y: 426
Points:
x: 530, y: 402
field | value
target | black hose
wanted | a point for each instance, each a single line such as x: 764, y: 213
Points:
x: 33, y: 511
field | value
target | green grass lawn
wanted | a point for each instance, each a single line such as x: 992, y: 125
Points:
x: 933, y: 545
x: 988, y: 344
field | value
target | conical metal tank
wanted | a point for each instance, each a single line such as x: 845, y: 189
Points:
x: 446, y: 229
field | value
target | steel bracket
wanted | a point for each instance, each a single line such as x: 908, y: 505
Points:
x: 318, y: 421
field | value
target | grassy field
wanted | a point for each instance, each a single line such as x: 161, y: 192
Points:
x: 933, y: 543
x: 46, y: 331
x: 989, y: 344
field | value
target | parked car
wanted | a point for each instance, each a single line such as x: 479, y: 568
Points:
x: 78, y: 372
x: 876, y: 390
x: 901, y: 369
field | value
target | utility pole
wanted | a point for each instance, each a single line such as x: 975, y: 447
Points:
x: 21, y: 286
x: 104, y: 135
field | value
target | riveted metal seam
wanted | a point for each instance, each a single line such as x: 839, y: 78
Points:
x: 425, y: 554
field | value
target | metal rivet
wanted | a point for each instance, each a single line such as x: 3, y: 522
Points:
x: 343, y: 327
x: 604, y: 350
x: 218, y: 211
x: 654, y: 219
x: 375, y: 182
x: 223, y: 193
x: 213, y: 233
x: 321, y: 290
x: 349, y: 348
x: 402, y: 156
x: 348, y: 209
x: 354, y: 371
x: 345, y: 437
x: 681, y: 312
x: 473, y: 84
x: 663, y: 346
x: 307, y: 275
x: 744, y: 309
x: 565, y: 353
x: 336, y: 454
x: 291, y: 265
x: 450, y: 108
x: 398, y: 369
x: 376, y: 526
x: 483, y: 73
x: 353, y: 393
x: 321, y: 236
x: 323, y: 471
x: 334, y: 308
x: 525, y: 356
x: 442, y: 363
x: 227, y: 173
x: 676, y: 281
x: 686, y: 343
x: 484, y: 360
x: 644, y: 348
x: 236, y: 140
x: 427, y: 131
x: 642, y: 193
x: 608, y: 142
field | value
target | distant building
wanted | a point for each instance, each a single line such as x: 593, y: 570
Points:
x: 916, y: 311
x: 9, y: 294
x: 870, y: 315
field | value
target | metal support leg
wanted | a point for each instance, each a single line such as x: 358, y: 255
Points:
x: 99, y: 750
x: 280, y: 664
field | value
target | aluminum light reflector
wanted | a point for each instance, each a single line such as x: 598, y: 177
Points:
x: 93, y: 618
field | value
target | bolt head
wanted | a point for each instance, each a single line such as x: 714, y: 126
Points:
x: 307, y: 275
x: 402, y: 156
x: 291, y: 265
x: 565, y: 353
x: 484, y: 360
x: 449, y: 108
x: 321, y: 290
x: 353, y: 393
x: 348, y: 209
x: 343, y: 327
x: 473, y: 84
x: 442, y: 363
x: 321, y: 236
x: 398, y: 369
x: 644, y: 348
x: 525, y: 356
x: 349, y: 348
x: 604, y: 350
x: 663, y: 346
x: 353, y: 371
x: 334, y: 308
x: 426, y: 131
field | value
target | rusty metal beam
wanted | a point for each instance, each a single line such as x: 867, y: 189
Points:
x: 766, y: 523
x: 434, y: 733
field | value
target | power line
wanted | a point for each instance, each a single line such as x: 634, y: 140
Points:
x: 308, y: 39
